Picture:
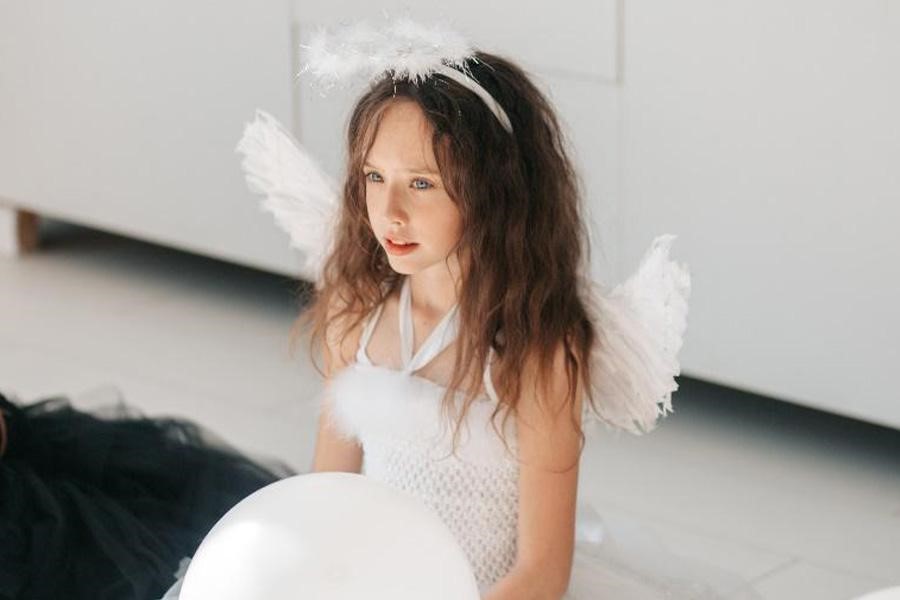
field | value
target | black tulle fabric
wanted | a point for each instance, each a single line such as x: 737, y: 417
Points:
x: 104, y: 504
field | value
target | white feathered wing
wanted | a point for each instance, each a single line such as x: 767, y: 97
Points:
x: 297, y: 192
x: 640, y: 327
x: 640, y: 323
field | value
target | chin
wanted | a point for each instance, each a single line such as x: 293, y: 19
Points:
x: 399, y: 265
x: 402, y: 270
x: 404, y: 266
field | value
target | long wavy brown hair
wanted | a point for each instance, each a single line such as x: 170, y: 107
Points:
x: 523, y: 288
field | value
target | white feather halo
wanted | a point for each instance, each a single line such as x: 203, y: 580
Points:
x: 403, y: 49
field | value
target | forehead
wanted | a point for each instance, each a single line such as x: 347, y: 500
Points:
x: 403, y: 138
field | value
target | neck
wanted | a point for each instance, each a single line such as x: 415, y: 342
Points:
x: 434, y: 292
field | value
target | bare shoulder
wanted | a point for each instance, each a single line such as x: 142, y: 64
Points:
x: 549, y: 414
x: 334, y: 450
x: 341, y: 337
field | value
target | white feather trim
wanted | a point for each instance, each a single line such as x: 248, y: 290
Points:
x: 640, y: 324
x: 297, y: 192
x: 375, y: 403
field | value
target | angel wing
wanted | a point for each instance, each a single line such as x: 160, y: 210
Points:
x: 640, y: 323
x: 640, y: 326
x: 297, y: 192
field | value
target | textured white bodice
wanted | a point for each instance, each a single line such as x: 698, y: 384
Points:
x: 396, y: 416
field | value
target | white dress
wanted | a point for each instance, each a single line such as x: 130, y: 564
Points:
x: 396, y: 417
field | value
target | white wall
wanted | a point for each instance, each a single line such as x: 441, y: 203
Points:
x: 763, y: 134
x: 767, y: 136
x: 125, y: 115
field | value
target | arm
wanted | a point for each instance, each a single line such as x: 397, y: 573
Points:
x: 522, y: 584
x: 548, y: 446
x: 334, y: 452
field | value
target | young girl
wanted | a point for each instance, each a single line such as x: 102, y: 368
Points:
x: 463, y: 247
x: 453, y: 319
x: 455, y: 325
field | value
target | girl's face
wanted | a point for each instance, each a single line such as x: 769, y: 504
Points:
x: 405, y: 197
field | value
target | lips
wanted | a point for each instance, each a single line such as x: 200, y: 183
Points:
x: 395, y: 240
x: 399, y: 249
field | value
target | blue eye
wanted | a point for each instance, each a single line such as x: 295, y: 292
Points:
x: 417, y: 184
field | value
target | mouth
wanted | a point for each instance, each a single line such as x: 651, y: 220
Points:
x: 398, y: 246
x: 398, y: 241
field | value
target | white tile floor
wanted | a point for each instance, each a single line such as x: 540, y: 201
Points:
x: 800, y: 503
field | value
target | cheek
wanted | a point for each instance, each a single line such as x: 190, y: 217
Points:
x: 369, y: 201
x: 451, y: 228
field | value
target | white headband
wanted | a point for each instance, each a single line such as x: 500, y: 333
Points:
x: 470, y: 83
x: 404, y: 50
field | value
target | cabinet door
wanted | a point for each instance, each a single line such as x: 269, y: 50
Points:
x: 124, y: 116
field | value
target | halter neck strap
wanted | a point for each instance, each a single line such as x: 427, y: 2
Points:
x: 439, y: 338
x: 367, y: 331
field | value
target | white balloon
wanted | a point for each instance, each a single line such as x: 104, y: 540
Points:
x: 892, y: 593
x: 331, y: 536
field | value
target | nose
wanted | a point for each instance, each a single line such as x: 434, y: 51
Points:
x: 395, y: 209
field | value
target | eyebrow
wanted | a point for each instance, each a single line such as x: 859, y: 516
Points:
x: 421, y: 170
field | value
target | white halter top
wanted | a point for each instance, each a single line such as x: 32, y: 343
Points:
x: 407, y: 441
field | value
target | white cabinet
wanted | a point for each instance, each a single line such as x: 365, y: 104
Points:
x: 124, y: 116
x: 771, y: 150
